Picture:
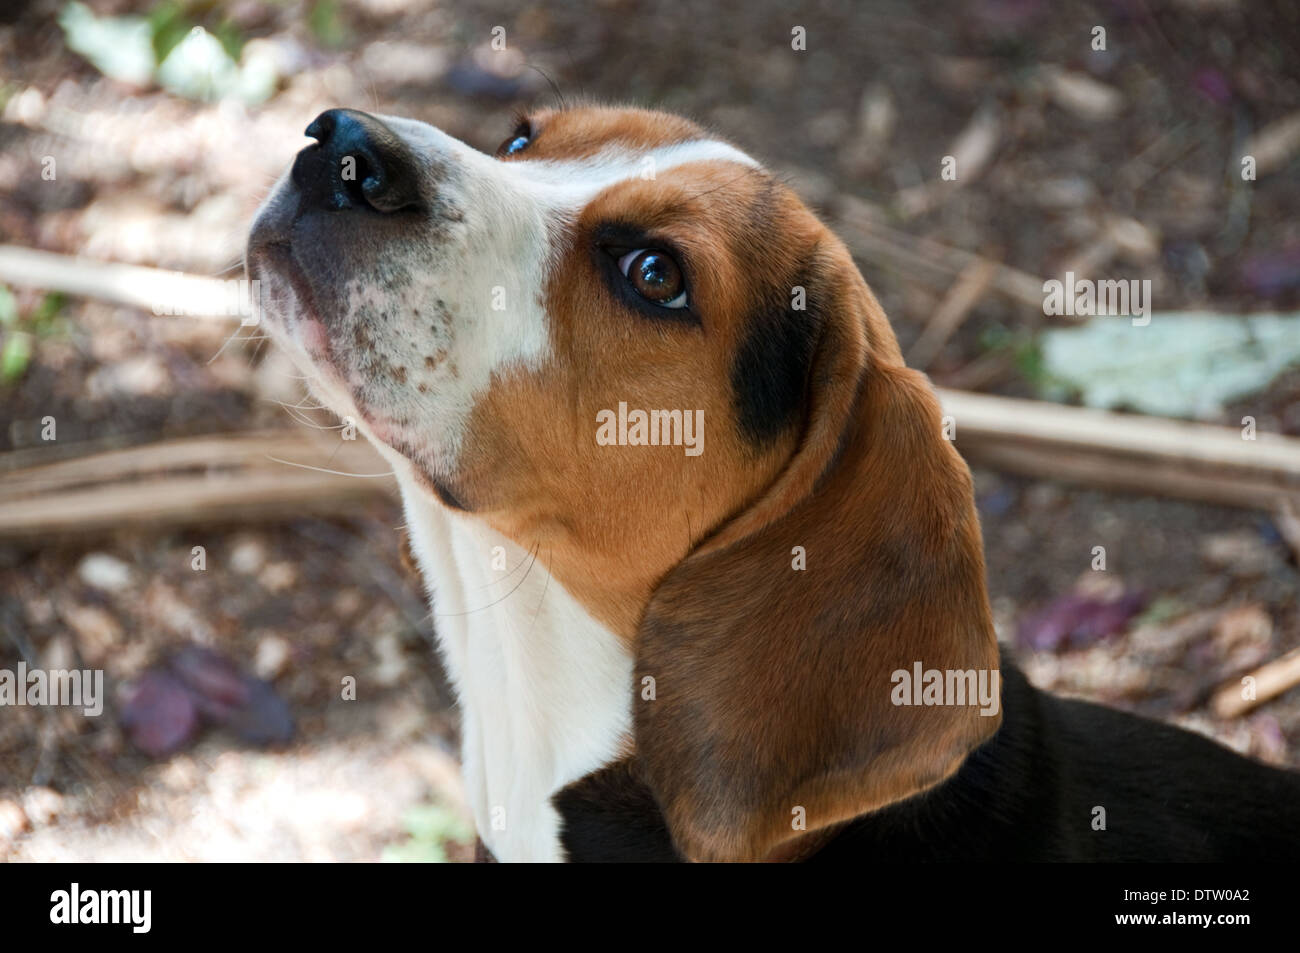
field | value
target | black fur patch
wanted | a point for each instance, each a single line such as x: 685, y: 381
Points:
x: 772, y: 366
x: 611, y: 816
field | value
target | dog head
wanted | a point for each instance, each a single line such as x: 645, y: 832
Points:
x: 497, y: 323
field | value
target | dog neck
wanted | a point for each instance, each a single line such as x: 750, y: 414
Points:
x: 544, y: 689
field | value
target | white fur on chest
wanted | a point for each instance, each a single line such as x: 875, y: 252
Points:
x: 544, y: 689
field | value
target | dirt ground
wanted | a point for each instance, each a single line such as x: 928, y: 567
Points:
x: 1068, y: 140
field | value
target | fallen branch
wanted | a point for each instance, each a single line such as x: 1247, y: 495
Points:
x: 216, y: 451
x: 190, y: 481
x: 1150, y: 455
x: 921, y: 258
x: 970, y: 152
x: 1096, y: 448
x: 218, y: 478
x: 149, y: 289
x: 952, y: 311
x: 1288, y: 525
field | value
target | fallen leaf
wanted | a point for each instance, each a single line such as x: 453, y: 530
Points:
x: 1178, y: 365
x: 159, y: 715
x: 1077, y: 620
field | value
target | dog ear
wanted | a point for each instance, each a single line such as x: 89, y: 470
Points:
x: 774, y: 679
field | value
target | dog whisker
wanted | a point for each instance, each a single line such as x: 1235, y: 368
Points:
x: 445, y: 615
x: 307, y: 466
x: 497, y: 582
x: 229, y: 268
x: 551, y: 82
x: 233, y: 337
x: 546, y: 586
x: 297, y: 413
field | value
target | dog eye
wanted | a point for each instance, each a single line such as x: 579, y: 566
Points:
x: 518, y: 141
x: 655, y: 276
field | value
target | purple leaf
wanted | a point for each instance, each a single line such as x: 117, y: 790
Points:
x: 166, y: 705
x: 1077, y: 620
x: 227, y: 696
x: 1104, y: 619
x: 214, y: 682
x: 264, y: 719
x: 158, y: 715
x: 1271, y: 273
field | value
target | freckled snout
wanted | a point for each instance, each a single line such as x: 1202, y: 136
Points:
x: 362, y: 252
x: 357, y: 162
x: 333, y: 237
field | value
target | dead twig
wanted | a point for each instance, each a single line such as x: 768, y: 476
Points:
x: 1288, y: 526
x: 149, y: 289
x: 971, y: 285
x: 190, y: 481
x: 926, y: 260
x: 1128, y: 452
x: 1267, y: 682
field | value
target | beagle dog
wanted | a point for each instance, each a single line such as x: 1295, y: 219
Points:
x: 707, y: 577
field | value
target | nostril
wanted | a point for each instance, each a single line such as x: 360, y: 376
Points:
x: 357, y: 170
x: 387, y: 188
x: 322, y: 127
x: 357, y: 162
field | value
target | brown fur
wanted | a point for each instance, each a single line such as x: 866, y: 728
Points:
x: 610, y: 522
x: 772, y: 686
x: 579, y: 133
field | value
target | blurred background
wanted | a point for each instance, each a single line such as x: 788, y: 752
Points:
x: 145, y: 134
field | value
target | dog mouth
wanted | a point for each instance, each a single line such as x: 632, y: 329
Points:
x: 277, y: 255
x: 302, y: 323
x: 300, y: 326
x: 302, y: 317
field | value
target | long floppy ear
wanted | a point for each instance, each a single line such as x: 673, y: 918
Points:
x: 775, y: 687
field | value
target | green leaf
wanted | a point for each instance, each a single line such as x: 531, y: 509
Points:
x: 42, y: 320
x: 169, y: 26
x: 8, y: 306
x: 327, y: 24
x: 119, y: 47
x: 231, y: 40
x: 1181, y: 364
x: 15, y: 357
x: 431, y: 828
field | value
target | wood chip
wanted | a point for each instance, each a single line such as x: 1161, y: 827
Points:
x: 1083, y: 96
x: 1274, y: 145
x: 1269, y: 681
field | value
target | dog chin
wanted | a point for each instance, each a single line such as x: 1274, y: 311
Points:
x: 390, y: 438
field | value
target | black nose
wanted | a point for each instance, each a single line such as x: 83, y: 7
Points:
x: 357, y: 162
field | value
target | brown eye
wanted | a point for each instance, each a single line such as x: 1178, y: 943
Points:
x: 655, y: 276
